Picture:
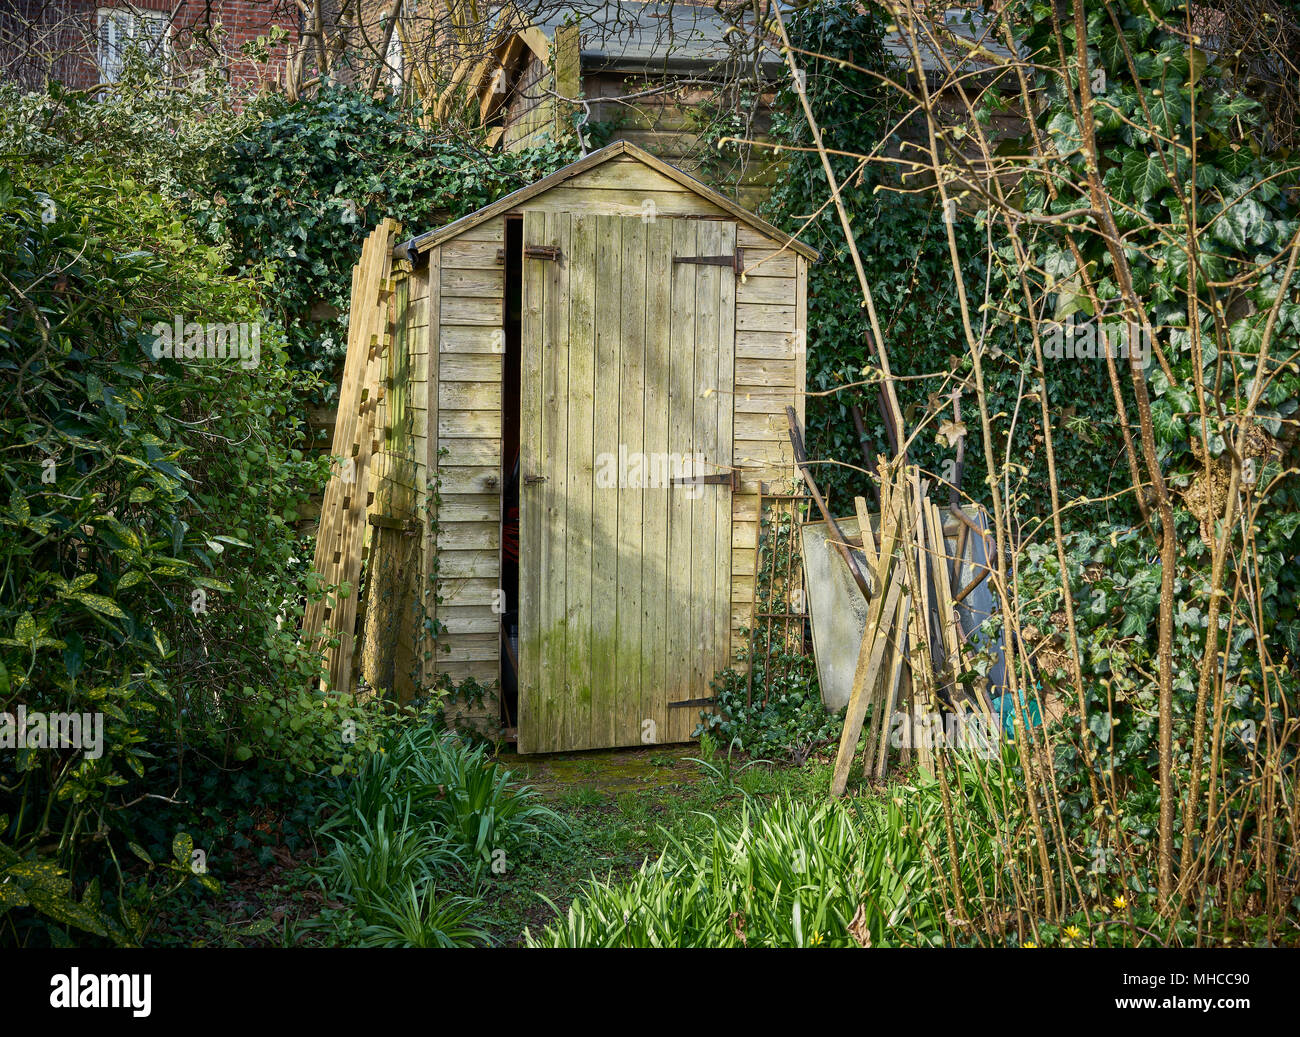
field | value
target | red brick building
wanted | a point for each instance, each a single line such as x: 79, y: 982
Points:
x: 82, y: 43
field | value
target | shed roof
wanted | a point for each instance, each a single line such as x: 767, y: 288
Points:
x: 423, y: 242
x: 650, y: 35
x: 654, y: 35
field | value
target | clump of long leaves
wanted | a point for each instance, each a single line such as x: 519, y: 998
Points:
x: 459, y: 791
x: 426, y: 812
x: 790, y: 874
x: 425, y: 919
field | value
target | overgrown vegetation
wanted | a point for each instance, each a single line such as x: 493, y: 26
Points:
x: 425, y: 813
x: 858, y: 93
x: 153, y: 575
x: 1144, y: 511
x: 1140, y: 200
x: 300, y: 188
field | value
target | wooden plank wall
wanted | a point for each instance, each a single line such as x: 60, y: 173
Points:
x: 771, y: 325
x: 531, y: 111
x: 466, y: 414
x: 668, y: 124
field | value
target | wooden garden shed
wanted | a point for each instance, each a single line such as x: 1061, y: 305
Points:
x: 610, y: 350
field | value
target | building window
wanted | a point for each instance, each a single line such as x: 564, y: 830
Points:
x: 120, y: 30
x: 393, y: 61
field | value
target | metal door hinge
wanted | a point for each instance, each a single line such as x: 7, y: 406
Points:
x: 542, y: 252
x: 731, y: 478
x: 736, y: 261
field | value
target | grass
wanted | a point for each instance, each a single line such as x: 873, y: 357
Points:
x: 617, y: 827
x: 402, y: 861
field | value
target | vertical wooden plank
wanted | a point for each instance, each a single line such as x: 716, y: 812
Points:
x: 607, y: 291
x: 681, y: 428
x: 726, y: 456
x: 579, y: 472
x: 631, y: 433
x: 704, y: 440
x: 429, y: 344
x: 356, y: 503
x: 532, y: 495
x: 655, y: 497
x: 555, y: 383
x: 801, y: 336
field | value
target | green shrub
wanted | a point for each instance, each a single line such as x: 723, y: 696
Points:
x: 302, y: 186
x: 791, y: 724
x: 149, y: 570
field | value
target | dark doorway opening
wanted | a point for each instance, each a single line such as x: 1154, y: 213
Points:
x: 508, y: 600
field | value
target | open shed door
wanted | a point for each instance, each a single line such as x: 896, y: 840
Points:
x: 625, y: 570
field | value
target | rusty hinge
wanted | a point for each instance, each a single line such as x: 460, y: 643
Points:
x: 691, y: 702
x: 736, y: 262
x: 542, y: 252
x: 731, y: 478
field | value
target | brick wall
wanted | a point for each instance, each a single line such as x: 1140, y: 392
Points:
x: 57, y: 39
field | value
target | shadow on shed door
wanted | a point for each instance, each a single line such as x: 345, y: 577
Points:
x: 627, y: 377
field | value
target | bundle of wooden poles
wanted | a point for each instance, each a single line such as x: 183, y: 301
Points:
x: 913, y: 650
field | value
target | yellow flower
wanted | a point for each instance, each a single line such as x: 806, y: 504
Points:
x: 1029, y: 943
x: 1073, y: 932
x: 1119, y: 902
x: 815, y: 940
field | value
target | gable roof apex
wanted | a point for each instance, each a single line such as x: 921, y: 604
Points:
x: 430, y: 239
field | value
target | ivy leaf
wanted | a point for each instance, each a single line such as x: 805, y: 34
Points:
x: 1143, y: 175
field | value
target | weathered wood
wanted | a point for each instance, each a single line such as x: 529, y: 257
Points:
x: 880, y: 609
x: 429, y: 513
x: 875, y: 640
x: 681, y: 427
x: 343, y: 513
x: 606, y: 709
x: 725, y: 440
x: 704, y: 436
x: 756, y: 232
x: 655, y: 603
x: 630, y: 661
x: 578, y: 474
x: 878, y: 765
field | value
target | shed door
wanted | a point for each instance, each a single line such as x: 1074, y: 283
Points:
x: 625, y: 575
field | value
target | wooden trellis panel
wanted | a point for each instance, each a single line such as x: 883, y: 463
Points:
x: 341, y: 539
